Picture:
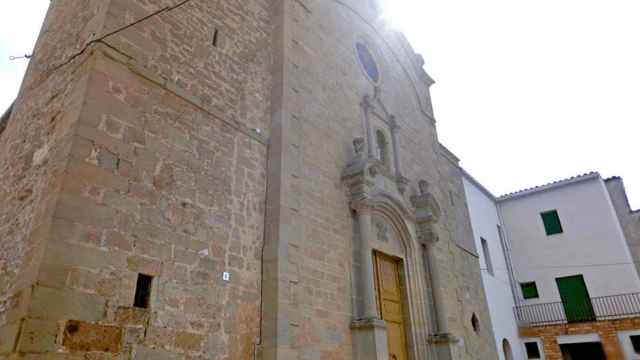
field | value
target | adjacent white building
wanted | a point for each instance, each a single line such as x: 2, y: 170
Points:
x: 496, y: 278
x: 588, y: 241
x: 559, y: 255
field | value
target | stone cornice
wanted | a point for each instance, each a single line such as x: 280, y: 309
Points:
x: 443, y: 339
x: 368, y: 323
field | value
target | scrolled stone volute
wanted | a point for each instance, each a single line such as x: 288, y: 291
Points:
x: 426, y: 205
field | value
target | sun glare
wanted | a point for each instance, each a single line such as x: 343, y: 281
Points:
x: 398, y: 13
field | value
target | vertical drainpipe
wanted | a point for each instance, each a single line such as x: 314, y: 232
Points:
x: 507, y: 257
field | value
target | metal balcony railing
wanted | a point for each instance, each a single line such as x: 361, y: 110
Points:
x: 595, y: 309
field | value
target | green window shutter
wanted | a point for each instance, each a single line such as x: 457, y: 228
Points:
x: 552, y: 224
x: 529, y: 290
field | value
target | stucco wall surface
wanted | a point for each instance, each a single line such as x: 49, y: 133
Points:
x: 592, y: 244
x: 485, y: 220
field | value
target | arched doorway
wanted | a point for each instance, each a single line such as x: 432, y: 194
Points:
x: 506, y: 348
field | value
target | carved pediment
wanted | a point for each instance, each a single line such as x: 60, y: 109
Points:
x: 373, y: 105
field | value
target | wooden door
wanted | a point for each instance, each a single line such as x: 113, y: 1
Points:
x: 575, y: 299
x: 390, y: 303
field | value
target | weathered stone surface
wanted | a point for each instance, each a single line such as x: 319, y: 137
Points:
x: 132, y: 316
x: 144, y: 265
x: 146, y: 353
x: 38, y: 336
x: 55, y: 304
x: 8, y: 337
x: 88, y: 337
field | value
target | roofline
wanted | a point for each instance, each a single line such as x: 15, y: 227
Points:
x: 449, y: 155
x: 478, y: 185
x: 550, y: 186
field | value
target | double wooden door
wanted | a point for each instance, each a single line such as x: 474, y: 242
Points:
x: 389, y: 290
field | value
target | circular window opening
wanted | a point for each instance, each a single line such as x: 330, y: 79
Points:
x: 368, y: 62
x: 475, y: 323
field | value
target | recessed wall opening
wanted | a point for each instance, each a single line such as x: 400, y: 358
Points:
x: 585, y: 351
x: 143, y: 291
x: 214, y: 41
x: 635, y: 343
x: 475, y: 323
x: 487, y: 256
x: 532, y: 349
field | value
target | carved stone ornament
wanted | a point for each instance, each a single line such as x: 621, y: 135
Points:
x: 403, y: 184
x: 359, y: 146
x: 427, y: 234
x: 423, y: 185
x: 426, y: 205
x: 382, y: 230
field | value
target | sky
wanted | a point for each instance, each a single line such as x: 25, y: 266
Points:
x: 20, y: 23
x: 526, y: 92
x: 529, y: 92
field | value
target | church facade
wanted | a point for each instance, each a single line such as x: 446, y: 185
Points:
x: 208, y: 179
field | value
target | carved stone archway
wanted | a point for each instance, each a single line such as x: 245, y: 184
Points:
x: 382, y: 211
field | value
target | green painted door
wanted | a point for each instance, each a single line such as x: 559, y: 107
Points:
x: 575, y: 299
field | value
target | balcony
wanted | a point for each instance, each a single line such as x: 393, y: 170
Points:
x: 596, y: 309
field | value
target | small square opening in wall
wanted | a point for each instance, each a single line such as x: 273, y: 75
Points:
x: 143, y: 291
x: 529, y: 290
x: 635, y: 343
x: 533, y: 351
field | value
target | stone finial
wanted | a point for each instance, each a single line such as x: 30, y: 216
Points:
x: 423, y: 185
x: 359, y: 146
x: 419, y: 60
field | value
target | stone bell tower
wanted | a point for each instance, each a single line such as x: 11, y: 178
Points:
x: 180, y: 180
x: 133, y: 182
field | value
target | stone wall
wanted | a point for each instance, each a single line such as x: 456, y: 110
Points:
x: 312, y: 238
x: 34, y: 148
x: 139, y: 145
x: 161, y: 172
x: 459, y: 259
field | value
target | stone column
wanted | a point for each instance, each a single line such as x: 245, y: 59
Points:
x: 427, y: 215
x: 370, y: 332
x: 437, y: 286
x: 366, y: 107
x: 365, y: 257
x: 394, y: 143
